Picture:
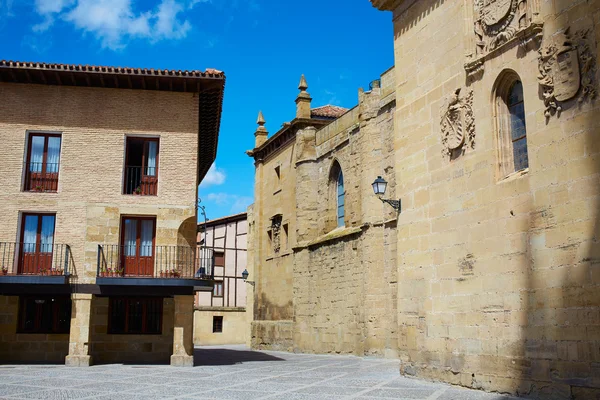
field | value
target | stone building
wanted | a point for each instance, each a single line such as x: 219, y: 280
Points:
x: 323, y: 246
x: 98, y: 210
x: 220, y: 316
x: 489, y: 275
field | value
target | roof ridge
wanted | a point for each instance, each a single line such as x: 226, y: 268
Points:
x: 108, y: 69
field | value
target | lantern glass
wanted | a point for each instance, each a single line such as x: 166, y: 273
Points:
x: 245, y: 274
x: 379, y: 186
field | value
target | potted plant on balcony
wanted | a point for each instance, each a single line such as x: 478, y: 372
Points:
x: 138, y: 190
x: 162, y: 274
x: 39, y: 188
x: 4, y: 270
x: 43, y: 271
x: 176, y: 273
x: 119, y: 271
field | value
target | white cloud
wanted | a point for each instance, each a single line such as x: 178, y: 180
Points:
x: 220, y: 199
x: 214, y: 176
x: 114, y: 22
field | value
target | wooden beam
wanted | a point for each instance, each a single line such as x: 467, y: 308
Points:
x: 116, y: 81
x: 43, y: 77
x: 144, y: 82
x: 185, y: 85
x: 58, y: 78
x: 157, y: 84
x: 73, y: 79
x: 12, y: 75
x: 87, y: 79
x: 27, y: 75
x: 102, y: 80
x: 129, y: 82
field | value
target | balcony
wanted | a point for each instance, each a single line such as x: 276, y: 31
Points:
x: 34, y: 263
x: 164, y: 266
x: 141, y: 181
x: 41, y: 177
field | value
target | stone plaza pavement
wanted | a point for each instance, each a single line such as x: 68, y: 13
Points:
x: 231, y: 372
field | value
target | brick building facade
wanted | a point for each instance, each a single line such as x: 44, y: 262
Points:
x: 98, y: 216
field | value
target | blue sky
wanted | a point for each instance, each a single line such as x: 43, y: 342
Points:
x: 262, y: 45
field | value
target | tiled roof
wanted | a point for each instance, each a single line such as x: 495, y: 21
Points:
x: 110, y: 70
x: 328, y: 111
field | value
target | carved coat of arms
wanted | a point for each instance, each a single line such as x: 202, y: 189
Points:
x: 565, y: 65
x: 494, y: 11
x: 457, y: 124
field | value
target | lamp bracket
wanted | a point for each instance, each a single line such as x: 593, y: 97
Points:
x: 396, y: 204
x: 251, y: 283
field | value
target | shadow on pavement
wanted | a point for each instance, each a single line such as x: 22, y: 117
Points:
x: 229, y: 356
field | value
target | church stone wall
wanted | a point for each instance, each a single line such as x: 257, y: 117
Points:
x: 498, y: 278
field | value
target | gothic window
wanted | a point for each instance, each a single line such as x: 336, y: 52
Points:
x: 512, y: 132
x: 340, y: 199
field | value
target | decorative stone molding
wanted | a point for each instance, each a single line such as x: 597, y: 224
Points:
x: 567, y: 69
x: 305, y: 144
x: 457, y: 124
x: 499, y: 23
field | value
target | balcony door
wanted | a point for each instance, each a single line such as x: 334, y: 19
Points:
x: 141, y: 175
x: 42, y: 165
x: 137, y: 240
x: 37, y: 243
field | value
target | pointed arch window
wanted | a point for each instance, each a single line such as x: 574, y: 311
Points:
x: 512, y: 130
x: 340, y: 199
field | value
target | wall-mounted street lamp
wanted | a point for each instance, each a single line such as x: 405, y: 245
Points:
x: 245, y: 277
x: 379, y: 187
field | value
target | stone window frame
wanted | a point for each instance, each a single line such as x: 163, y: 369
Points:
x: 502, y: 124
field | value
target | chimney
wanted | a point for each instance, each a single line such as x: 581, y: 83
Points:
x: 303, y: 100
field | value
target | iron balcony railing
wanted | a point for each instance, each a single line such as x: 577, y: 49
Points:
x: 181, y: 262
x: 34, y: 259
x: 41, y: 177
x: 142, y: 181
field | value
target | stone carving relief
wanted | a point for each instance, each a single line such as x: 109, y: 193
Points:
x: 276, y: 233
x: 497, y: 22
x: 457, y: 124
x: 567, y: 68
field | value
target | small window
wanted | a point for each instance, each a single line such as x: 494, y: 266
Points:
x: 340, y: 199
x: 286, y: 237
x: 278, y: 173
x: 512, y: 131
x: 218, y: 289
x: 217, y: 324
x: 219, y: 259
x: 44, y: 314
x: 141, y: 166
x: 129, y: 315
x: 42, y: 162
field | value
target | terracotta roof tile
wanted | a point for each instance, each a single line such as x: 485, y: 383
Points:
x: 328, y: 111
x: 110, y: 70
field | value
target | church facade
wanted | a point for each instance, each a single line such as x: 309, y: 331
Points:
x: 488, y: 275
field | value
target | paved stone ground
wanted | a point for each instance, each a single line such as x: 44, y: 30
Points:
x: 232, y: 372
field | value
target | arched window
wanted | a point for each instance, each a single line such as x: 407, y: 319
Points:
x: 512, y: 132
x: 340, y: 199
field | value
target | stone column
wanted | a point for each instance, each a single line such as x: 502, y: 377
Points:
x: 183, y: 325
x: 79, y: 337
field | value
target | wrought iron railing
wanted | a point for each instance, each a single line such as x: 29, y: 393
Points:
x: 141, y: 181
x: 155, y: 262
x: 34, y: 259
x: 41, y: 177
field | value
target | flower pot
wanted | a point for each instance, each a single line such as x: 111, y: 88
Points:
x: 4, y: 272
